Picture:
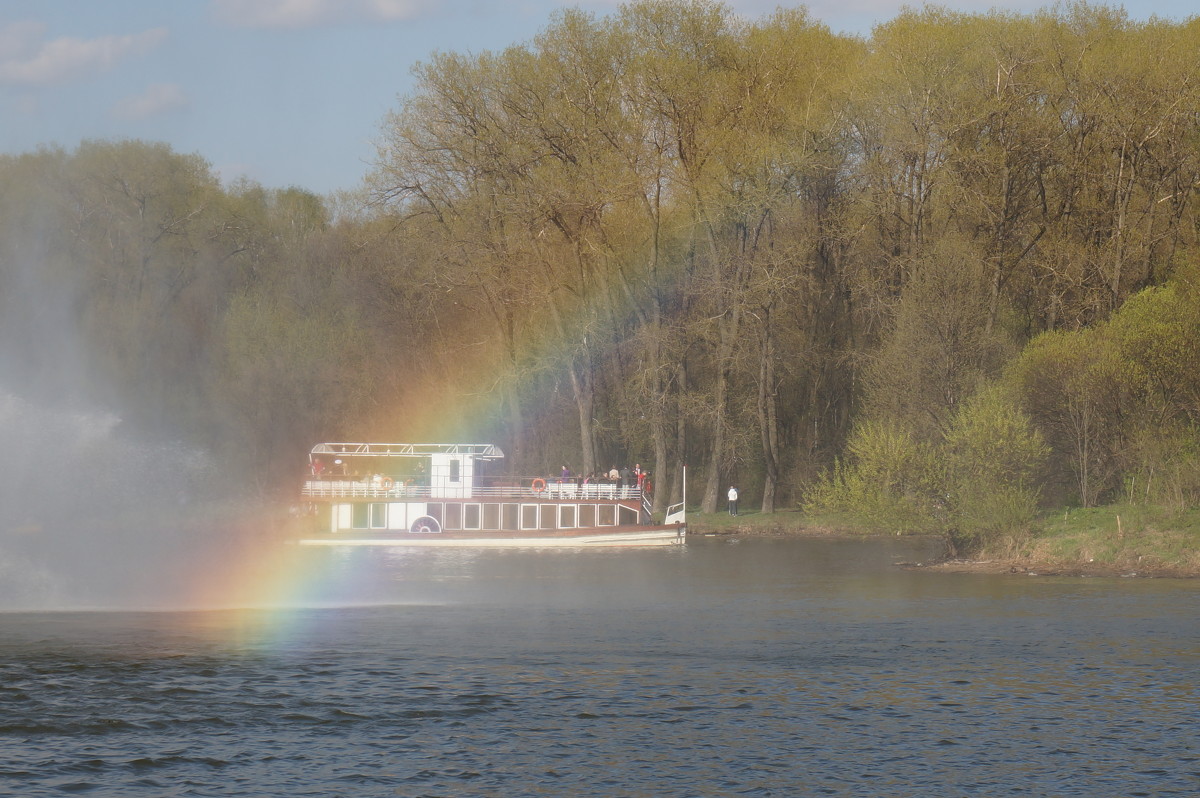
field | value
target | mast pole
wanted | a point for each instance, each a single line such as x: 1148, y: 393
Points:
x: 685, y: 492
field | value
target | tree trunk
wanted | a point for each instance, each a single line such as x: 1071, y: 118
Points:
x: 712, y: 484
x: 768, y: 419
x: 681, y: 448
x: 582, y: 385
x: 516, y: 420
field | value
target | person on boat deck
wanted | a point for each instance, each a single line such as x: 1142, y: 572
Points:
x: 733, y: 496
x: 318, y: 467
x: 613, y: 474
x: 565, y: 475
x: 626, y: 477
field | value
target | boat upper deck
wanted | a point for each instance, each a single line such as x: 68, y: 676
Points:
x: 529, y: 489
x: 459, y: 471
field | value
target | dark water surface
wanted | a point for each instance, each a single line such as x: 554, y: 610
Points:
x: 761, y: 667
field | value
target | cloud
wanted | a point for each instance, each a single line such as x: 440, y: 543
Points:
x: 26, y: 59
x: 158, y: 98
x: 310, y: 13
x: 16, y: 36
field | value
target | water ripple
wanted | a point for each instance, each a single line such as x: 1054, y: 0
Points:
x: 708, y: 691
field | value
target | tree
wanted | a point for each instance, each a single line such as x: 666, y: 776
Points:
x: 940, y: 350
x: 1156, y: 333
x: 1071, y: 385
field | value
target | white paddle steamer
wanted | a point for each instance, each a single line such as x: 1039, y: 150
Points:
x: 436, y: 494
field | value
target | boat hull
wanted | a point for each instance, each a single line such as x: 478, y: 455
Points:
x: 672, y: 535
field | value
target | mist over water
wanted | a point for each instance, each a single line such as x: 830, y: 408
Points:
x: 91, y: 508
x: 90, y: 515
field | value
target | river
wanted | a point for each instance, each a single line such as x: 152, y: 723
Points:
x: 761, y: 666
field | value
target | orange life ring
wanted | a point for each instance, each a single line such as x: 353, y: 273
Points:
x: 539, y: 485
x: 387, y: 482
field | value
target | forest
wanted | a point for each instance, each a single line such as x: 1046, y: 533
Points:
x: 944, y: 277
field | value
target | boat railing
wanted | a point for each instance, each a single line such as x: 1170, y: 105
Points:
x: 527, y: 489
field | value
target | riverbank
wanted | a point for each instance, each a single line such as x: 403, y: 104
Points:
x: 1113, y: 541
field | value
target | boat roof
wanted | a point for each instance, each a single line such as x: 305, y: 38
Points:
x: 481, y: 451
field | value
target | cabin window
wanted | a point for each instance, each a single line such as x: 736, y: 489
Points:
x: 606, y: 515
x: 529, y: 516
x: 511, y: 516
x: 587, y: 515
x: 454, y: 472
x: 566, y: 516
x: 453, y: 520
x: 434, y: 511
x: 491, y: 516
x: 378, y: 515
x: 470, y: 516
x: 549, y: 516
x: 360, y: 516
x: 627, y: 516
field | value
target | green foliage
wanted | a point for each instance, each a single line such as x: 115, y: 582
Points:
x: 1118, y: 402
x: 1074, y: 386
x: 977, y: 485
x: 889, y: 481
x: 940, y: 348
x: 1158, y: 335
x: 993, y: 457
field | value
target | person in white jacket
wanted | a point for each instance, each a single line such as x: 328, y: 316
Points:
x: 732, y: 500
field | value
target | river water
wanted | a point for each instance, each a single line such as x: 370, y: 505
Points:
x: 755, y: 667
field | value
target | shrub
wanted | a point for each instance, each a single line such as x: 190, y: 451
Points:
x: 993, y: 456
x: 889, y: 482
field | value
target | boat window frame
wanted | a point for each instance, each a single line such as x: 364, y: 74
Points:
x: 452, y: 517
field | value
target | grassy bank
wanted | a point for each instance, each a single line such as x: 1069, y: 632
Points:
x: 782, y: 523
x: 1120, y: 540
x: 1115, y: 539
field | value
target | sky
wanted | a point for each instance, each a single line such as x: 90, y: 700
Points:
x: 286, y: 92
